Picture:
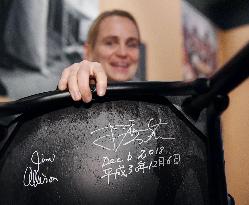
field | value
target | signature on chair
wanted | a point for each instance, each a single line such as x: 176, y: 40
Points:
x: 33, y: 175
x: 112, y: 137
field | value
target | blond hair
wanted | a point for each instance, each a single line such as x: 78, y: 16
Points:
x: 94, y: 28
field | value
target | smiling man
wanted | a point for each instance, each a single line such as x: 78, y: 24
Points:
x: 111, y: 52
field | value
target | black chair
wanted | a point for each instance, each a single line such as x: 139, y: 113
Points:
x: 143, y: 143
x: 134, y: 146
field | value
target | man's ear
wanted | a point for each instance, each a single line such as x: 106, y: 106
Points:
x: 87, y: 51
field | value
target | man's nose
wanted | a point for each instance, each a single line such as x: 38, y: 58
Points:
x: 122, y: 50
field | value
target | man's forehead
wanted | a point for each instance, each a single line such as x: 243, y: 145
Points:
x: 118, y: 26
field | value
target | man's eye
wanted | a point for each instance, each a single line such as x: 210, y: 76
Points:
x: 109, y: 43
x: 133, y: 44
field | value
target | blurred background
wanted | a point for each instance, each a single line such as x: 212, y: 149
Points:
x: 181, y: 40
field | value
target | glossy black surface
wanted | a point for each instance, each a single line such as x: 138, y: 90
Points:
x: 118, y: 151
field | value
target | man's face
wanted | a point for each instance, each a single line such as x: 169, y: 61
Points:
x: 117, y: 48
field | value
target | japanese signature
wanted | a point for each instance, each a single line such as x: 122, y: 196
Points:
x: 124, y: 134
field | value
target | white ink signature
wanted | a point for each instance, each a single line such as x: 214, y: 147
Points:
x: 129, y: 134
x: 33, y: 177
x: 121, y: 170
x: 124, y: 171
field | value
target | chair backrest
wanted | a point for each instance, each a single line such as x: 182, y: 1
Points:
x: 118, y: 150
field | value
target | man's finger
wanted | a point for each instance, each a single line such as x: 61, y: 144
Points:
x: 62, y: 85
x: 83, y: 81
x: 73, y: 84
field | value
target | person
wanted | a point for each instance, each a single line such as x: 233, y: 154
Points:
x: 25, y: 33
x: 111, y: 54
x: 5, y: 6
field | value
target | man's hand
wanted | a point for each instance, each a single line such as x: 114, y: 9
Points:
x: 77, y: 77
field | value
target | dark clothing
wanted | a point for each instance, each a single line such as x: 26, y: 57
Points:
x: 3, y: 91
x: 4, y: 12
